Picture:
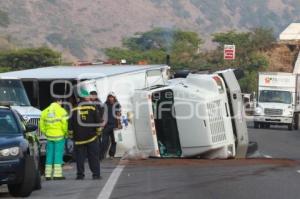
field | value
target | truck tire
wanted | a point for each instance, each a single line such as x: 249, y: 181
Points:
x: 25, y: 188
x: 256, y: 125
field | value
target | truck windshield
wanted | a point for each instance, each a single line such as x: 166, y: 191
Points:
x: 284, y: 97
x: 8, y: 123
x: 13, y: 91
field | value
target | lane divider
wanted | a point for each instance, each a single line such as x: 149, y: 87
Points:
x: 111, y: 183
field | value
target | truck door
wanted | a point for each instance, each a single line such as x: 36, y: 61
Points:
x: 237, y: 112
x: 145, y: 131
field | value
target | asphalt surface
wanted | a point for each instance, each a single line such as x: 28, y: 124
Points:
x: 274, y: 173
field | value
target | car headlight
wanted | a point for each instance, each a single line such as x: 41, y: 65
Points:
x: 13, y: 151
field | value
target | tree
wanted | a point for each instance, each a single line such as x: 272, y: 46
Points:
x: 29, y: 58
x: 153, y: 46
x: 262, y: 38
x: 249, y: 56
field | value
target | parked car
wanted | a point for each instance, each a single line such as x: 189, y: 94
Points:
x: 19, y: 154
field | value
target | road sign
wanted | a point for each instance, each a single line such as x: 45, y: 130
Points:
x: 229, y: 52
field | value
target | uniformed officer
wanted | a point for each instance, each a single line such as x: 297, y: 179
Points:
x: 54, y: 125
x: 84, y: 125
x: 100, y: 108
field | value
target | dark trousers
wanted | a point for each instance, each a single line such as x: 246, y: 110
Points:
x: 107, y: 138
x: 91, y: 152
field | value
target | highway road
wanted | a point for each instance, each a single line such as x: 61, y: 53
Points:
x: 275, y: 175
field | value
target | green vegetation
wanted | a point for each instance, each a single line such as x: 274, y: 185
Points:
x: 28, y: 58
x: 153, y: 46
x: 183, y: 46
x: 249, y: 47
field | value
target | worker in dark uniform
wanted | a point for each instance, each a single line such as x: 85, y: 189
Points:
x: 99, y: 105
x: 100, y: 108
x: 83, y: 126
x: 112, y: 115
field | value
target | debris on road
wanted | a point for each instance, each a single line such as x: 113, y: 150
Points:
x: 135, y: 154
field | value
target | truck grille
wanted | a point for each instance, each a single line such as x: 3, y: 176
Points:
x: 35, y: 121
x: 276, y: 112
x: 216, y: 121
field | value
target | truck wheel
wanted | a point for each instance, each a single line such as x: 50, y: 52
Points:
x: 25, y: 188
x: 256, y: 125
x: 290, y: 127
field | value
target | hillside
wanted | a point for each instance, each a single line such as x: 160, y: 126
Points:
x: 82, y: 29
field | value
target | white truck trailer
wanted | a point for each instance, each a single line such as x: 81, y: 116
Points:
x: 42, y: 84
x: 278, y: 100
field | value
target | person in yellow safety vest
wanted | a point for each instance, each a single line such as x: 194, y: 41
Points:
x: 54, y: 125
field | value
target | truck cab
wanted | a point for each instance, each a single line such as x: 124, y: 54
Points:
x: 276, y: 104
x: 201, y: 115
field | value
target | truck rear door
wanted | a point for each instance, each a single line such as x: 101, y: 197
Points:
x: 145, y: 131
x: 237, y: 112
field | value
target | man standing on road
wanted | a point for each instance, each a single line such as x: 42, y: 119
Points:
x: 112, y: 114
x: 84, y: 126
x: 100, y: 109
x: 54, y: 124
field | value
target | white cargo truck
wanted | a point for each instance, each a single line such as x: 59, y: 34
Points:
x: 278, y: 100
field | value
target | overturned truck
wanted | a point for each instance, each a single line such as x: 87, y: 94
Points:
x: 201, y: 115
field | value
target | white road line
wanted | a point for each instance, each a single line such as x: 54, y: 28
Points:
x: 111, y: 183
x: 298, y: 171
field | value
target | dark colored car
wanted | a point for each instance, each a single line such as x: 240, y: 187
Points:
x: 19, y: 154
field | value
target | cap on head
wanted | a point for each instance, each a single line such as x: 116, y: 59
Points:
x: 112, y: 94
x: 83, y: 93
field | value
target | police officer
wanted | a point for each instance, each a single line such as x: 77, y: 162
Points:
x: 112, y: 114
x: 100, y: 108
x: 84, y: 127
x: 54, y: 124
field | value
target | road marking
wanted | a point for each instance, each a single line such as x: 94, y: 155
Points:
x: 298, y: 171
x: 111, y: 183
x: 267, y: 156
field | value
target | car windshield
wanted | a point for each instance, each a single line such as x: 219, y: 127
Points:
x: 284, y: 97
x: 8, y: 124
x: 12, y: 91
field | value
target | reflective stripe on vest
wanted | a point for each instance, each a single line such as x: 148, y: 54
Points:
x: 52, y: 121
x: 55, y: 137
x: 86, y: 141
